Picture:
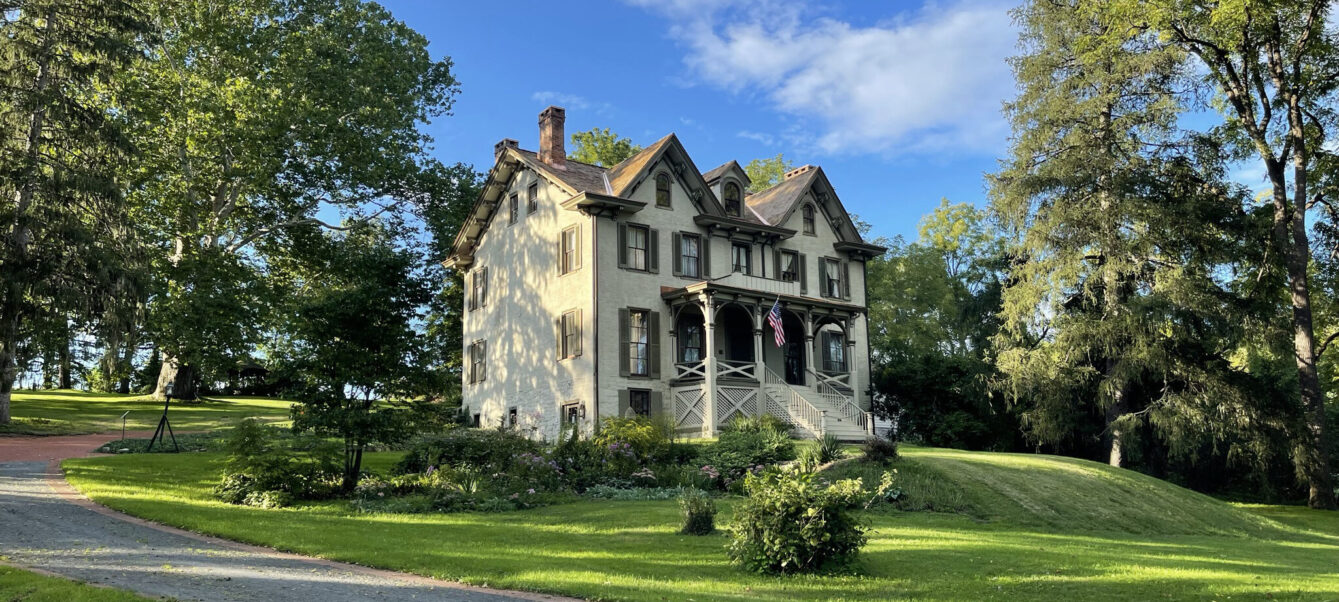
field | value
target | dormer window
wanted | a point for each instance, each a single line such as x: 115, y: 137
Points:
x: 808, y: 219
x: 662, y: 190
x: 732, y: 204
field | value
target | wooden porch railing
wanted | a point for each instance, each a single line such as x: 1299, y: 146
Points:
x: 799, y: 408
x: 834, y: 392
x: 735, y: 369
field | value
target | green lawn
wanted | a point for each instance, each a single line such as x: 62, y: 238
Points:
x: 1029, y: 527
x: 23, y: 586
x: 66, y: 412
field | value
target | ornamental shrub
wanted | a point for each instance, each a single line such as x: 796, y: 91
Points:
x: 881, y: 450
x: 646, y: 438
x: 829, y: 448
x: 741, y: 451
x: 699, y: 512
x: 264, y: 471
x: 470, y: 447
x: 790, y: 523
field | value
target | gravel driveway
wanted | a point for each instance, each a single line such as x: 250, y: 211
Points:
x: 49, y: 526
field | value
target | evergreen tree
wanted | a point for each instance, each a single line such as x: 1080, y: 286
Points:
x: 60, y: 148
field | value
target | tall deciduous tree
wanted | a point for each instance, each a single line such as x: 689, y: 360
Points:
x: 255, y: 117
x: 767, y: 172
x: 60, y: 146
x: 1274, y: 66
x: 601, y: 147
x: 444, y: 213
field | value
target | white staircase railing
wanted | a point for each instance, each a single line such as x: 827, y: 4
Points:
x: 831, y: 390
x: 801, y: 411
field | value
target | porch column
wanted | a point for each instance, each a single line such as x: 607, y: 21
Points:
x: 808, y: 347
x: 709, y: 349
x: 758, y: 363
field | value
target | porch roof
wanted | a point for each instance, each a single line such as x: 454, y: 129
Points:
x: 691, y: 292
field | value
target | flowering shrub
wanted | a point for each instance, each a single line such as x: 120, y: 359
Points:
x: 463, y: 446
x: 646, y: 439
x: 740, y: 452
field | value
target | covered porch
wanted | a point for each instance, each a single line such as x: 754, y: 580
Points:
x: 727, y: 361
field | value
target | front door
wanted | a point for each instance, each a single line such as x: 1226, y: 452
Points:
x: 794, y: 352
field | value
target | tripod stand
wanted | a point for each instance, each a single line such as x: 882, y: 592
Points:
x: 165, y: 427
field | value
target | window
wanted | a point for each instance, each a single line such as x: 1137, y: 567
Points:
x: 569, y: 250
x: 479, y: 288
x: 832, y: 278
x: 571, y: 413
x: 513, y: 208
x: 478, y: 369
x: 569, y: 335
x: 690, y: 255
x: 639, y: 402
x: 788, y: 266
x: 636, y: 250
x: 732, y: 206
x: 808, y: 219
x: 834, y: 352
x: 638, y: 343
x: 662, y: 190
x: 532, y: 199
x: 511, y: 418
x: 690, y: 343
x: 742, y: 257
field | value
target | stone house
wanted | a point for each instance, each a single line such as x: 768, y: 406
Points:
x: 645, y: 289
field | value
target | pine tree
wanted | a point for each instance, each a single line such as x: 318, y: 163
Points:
x: 60, y: 148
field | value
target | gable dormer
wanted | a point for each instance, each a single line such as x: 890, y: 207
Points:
x: 730, y: 183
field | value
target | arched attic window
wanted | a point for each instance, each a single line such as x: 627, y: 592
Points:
x: 662, y: 189
x: 808, y: 211
x: 732, y: 205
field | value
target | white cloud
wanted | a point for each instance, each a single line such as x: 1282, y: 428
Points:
x: 760, y: 137
x: 933, y: 80
x: 570, y: 101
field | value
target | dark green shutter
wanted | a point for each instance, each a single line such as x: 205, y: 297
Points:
x: 655, y: 404
x: 653, y: 250
x: 483, y: 363
x: 483, y: 290
x: 846, y: 280
x: 469, y: 292
x: 623, y: 342
x: 558, y: 329
x: 804, y: 277
x: 576, y: 328
x: 622, y: 245
x: 653, y: 344
x: 624, y: 402
x: 676, y: 253
x: 776, y: 264
x: 704, y: 257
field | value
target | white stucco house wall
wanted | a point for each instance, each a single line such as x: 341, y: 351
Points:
x: 644, y: 288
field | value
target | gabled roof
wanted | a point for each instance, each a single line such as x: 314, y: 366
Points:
x: 775, y: 204
x: 577, y: 177
x: 624, y: 177
x: 716, y: 173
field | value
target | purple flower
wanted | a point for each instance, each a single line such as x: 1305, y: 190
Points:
x: 530, y: 491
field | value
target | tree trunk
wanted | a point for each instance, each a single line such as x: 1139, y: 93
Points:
x: 8, y: 370
x: 127, y: 366
x: 1117, y: 409
x: 63, y: 365
x: 182, y: 378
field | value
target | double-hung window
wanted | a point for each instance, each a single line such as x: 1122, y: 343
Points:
x: 478, y: 358
x: 532, y: 199
x: 479, y: 288
x: 639, y: 401
x: 663, y: 198
x: 742, y: 256
x: 832, y: 278
x: 808, y: 212
x: 639, y: 339
x: 569, y: 250
x: 513, y: 208
x: 569, y: 334
x: 690, y: 255
x: 638, y: 237
x: 733, y: 207
x: 788, y: 266
x: 834, y: 352
x: 690, y: 342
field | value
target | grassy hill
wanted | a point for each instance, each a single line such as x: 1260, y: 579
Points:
x: 1057, y: 493
x: 68, y: 412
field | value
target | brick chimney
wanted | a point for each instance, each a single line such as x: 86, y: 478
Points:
x: 502, y: 146
x: 551, y: 149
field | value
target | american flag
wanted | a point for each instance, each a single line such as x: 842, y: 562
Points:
x: 774, y: 318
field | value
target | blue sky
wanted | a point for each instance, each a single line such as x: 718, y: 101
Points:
x: 898, y: 101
